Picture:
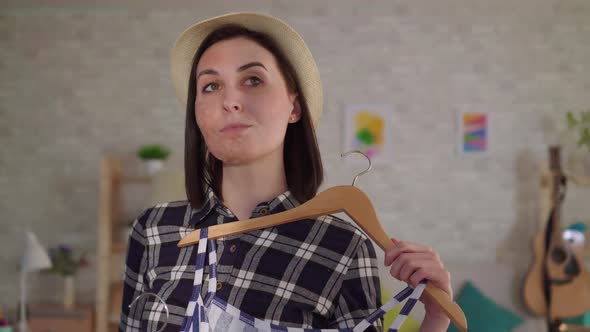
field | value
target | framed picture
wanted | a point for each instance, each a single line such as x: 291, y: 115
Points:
x: 367, y: 128
x: 474, y: 133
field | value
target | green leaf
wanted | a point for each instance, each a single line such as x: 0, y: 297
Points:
x: 571, y: 120
x: 153, y: 151
x: 584, y: 138
x: 63, y: 261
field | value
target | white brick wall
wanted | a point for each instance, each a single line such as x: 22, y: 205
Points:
x: 78, y: 80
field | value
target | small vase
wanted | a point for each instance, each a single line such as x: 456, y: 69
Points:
x: 69, y: 293
x: 153, y: 166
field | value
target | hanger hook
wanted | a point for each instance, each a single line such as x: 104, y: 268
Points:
x: 363, y: 172
x: 159, y: 299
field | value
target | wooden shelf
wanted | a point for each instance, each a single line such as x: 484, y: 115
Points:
x: 119, y: 248
x: 135, y: 179
x: 54, y: 318
x: 111, y: 248
x: 116, y: 291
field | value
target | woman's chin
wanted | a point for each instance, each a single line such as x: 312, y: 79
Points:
x: 237, y: 159
x: 246, y: 156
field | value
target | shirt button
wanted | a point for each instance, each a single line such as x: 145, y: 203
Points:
x: 219, y: 285
x: 233, y: 248
x: 263, y: 211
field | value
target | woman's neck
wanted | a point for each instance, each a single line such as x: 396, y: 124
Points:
x: 245, y: 186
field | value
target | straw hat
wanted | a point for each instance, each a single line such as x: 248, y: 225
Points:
x: 290, y: 42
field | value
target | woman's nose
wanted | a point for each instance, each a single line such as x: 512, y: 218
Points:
x: 231, y: 102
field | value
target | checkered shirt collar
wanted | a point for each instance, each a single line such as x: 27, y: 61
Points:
x: 282, y: 202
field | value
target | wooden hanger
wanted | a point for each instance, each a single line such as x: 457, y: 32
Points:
x: 357, y: 206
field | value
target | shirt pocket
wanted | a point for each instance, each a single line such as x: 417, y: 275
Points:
x: 174, y: 286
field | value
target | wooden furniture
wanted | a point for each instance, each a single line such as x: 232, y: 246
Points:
x: 111, y: 248
x: 56, y: 319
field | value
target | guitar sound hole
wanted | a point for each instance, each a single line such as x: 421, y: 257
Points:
x: 558, y: 255
x: 572, y: 268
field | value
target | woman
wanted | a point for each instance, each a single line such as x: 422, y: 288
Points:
x: 253, y: 98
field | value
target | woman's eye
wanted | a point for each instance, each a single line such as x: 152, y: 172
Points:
x: 253, y: 81
x: 210, y: 87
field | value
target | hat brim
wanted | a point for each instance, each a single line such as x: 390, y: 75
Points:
x: 289, y: 41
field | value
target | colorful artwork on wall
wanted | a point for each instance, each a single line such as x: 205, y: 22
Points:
x: 367, y: 128
x: 475, y: 127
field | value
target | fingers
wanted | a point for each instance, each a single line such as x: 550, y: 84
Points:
x: 410, y: 263
x: 413, y: 262
x: 406, y: 247
x: 415, y: 272
x: 418, y: 276
x: 435, y: 275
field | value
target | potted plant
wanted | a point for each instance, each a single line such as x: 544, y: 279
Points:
x: 66, y: 263
x: 581, y: 126
x: 578, y: 125
x: 153, y: 156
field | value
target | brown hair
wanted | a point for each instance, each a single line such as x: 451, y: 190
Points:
x: 301, y: 155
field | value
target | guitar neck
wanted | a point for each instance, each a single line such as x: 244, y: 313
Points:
x: 556, y: 192
x: 556, y: 236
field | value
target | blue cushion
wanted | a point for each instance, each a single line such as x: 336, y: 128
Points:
x: 483, y: 315
x: 583, y: 320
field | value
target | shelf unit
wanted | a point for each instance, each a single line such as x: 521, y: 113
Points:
x: 111, y: 249
x: 51, y: 318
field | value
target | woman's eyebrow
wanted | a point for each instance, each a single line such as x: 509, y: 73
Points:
x: 207, y: 72
x: 250, y: 65
x: 241, y: 68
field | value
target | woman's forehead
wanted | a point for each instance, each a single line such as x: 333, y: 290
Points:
x: 235, y: 52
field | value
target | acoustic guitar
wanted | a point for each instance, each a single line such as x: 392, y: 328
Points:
x: 557, y: 284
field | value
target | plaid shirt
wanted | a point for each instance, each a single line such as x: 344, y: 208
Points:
x: 319, y: 273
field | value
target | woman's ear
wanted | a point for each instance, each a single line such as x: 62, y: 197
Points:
x: 296, y: 112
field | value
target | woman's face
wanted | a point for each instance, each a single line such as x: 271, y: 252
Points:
x: 243, y: 106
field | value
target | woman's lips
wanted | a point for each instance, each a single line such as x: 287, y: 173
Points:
x: 234, y: 128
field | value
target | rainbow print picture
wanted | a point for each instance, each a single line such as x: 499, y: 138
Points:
x: 367, y: 130
x: 475, y: 132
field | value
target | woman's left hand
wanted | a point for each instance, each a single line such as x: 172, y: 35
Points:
x: 413, y: 262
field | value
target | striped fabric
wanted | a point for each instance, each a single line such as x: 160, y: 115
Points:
x: 214, y: 314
